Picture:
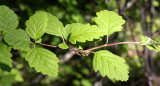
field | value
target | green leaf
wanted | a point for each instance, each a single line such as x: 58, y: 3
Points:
x: 82, y: 32
x: 39, y: 40
x: 109, y: 21
x: 7, y: 78
x: 54, y: 27
x: 36, y: 25
x: 4, y: 47
x: 19, y: 39
x: 43, y: 61
x: 63, y: 46
x: 150, y: 44
x: 111, y: 65
x: 8, y: 19
x: 5, y: 58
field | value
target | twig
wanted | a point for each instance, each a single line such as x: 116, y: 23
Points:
x: 1, y: 34
x: 47, y: 45
x: 113, y: 44
x: 88, y: 51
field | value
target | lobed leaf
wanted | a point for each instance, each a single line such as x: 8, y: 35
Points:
x: 77, y: 32
x: 43, y: 61
x: 54, y: 27
x: 8, y: 19
x: 150, y: 44
x: 36, y: 25
x: 109, y: 21
x: 19, y: 39
x: 111, y: 65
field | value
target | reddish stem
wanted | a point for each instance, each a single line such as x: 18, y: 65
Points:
x: 48, y: 45
x: 112, y: 45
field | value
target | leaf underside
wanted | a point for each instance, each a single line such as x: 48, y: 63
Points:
x: 111, y: 65
x: 43, y: 61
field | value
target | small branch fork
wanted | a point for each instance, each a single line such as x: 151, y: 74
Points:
x: 88, y: 51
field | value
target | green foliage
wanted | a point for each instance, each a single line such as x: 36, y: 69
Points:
x: 150, y: 44
x: 43, y: 61
x: 77, y: 32
x: 5, y: 58
x: 19, y: 39
x: 8, y: 19
x: 111, y: 65
x: 5, y: 55
x: 54, y: 27
x: 7, y: 78
x: 36, y: 25
x: 109, y: 21
x: 4, y: 47
x: 63, y: 46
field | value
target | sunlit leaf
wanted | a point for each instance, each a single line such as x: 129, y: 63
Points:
x: 54, y: 27
x: 109, y: 21
x: 36, y: 25
x: 63, y: 46
x: 77, y: 32
x: 111, y: 65
x: 150, y: 44
x: 19, y: 39
x: 8, y: 19
x: 43, y: 61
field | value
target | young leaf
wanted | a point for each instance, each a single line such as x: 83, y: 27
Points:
x: 36, y: 25
x: 150, y: 44
x: 82, y: 32
x: 54, y: 27
x: 8, y: 19
x: 111, y: 65
x: 43, y: 61
x: 110, y: 21
x: 63, y: 46
x: 19, y: 39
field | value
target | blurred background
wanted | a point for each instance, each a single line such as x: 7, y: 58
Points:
x: 142, y: 18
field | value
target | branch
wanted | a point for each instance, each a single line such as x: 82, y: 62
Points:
x: 47, y: 45
x: 1, y: 34
x: 113, y: 44
x: 88, y: 51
